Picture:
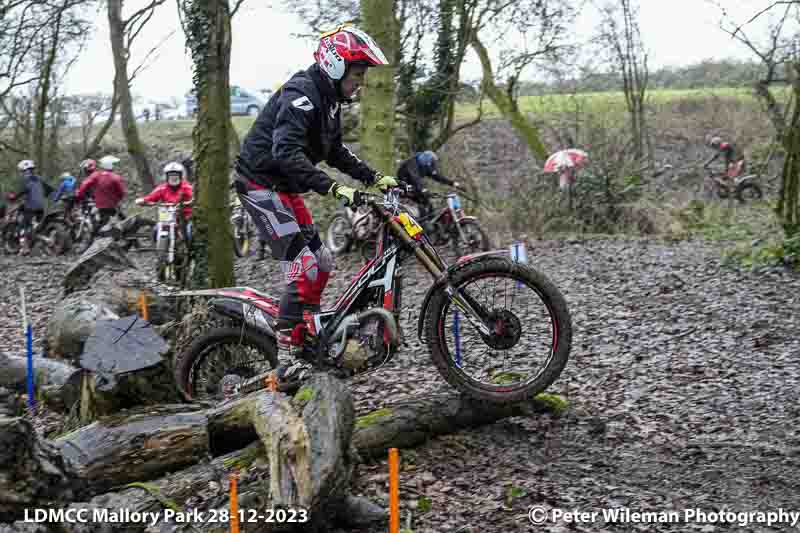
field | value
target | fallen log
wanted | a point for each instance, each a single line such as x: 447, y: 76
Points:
x: 133, y: 447
x: 409, y: 423
x: 307, y: 441
x: 33, y: 472
x: 48, y: 372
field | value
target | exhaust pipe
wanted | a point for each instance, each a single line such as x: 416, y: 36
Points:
x: 354, y: 320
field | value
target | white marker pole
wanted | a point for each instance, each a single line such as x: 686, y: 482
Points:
x: 519, y: 255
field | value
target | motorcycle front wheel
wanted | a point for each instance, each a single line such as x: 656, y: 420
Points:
x: 338, y: 237
x: 530, y: 332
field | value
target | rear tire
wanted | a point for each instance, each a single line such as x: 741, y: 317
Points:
x: 241, y: 241
x: 471, y: 227
x: 10, y: 240
x: 748, y: 191
x: 188, y: 362
x: 549, y: 295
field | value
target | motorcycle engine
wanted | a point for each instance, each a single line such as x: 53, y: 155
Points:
x: 365, y: 348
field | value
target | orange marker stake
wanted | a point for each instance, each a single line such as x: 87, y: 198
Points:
x: 394, y: 491
x: 234, y: 503
x: 272, y: 382
x: 143, y: 305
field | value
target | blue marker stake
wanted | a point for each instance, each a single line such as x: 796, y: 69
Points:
x: 458, y: 340
x: 29, y: 342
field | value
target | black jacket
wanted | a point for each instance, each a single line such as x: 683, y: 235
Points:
x: 36, y: 191
x: 410, y: 173
x: 299, y: 127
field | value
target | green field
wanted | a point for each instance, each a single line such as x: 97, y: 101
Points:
x: 609, y: 100
x: 177, y: 134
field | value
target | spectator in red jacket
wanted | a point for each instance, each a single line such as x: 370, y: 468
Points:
x: 107, y: 188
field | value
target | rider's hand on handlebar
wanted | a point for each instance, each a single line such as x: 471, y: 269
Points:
x: 385, y: 182
x: 350, y: 195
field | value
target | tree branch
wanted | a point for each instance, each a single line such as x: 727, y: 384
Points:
x: 236, y: 7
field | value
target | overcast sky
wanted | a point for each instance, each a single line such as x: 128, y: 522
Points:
x: 676, y: 32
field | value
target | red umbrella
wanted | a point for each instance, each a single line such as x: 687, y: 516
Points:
x: 570, y: 158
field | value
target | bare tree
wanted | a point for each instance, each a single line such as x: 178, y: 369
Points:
x: 780, y: 55
x: 123, y: 33
x: 622, y: 35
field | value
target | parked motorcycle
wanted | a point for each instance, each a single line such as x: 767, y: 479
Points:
x: 744, y: 188
x: 487, y: 343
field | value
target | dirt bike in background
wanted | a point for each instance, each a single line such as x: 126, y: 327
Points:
x: 486, y: 343
x: 243, y: 227
x: 172, y: 244
x: 450, y: 226
x: 743, y: 188
x: 49, y: 234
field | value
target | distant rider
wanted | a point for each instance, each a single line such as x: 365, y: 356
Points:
x: 734, y: 160
x: 35, y: 190
x: 413, y: 171
x: 174, y: 190
x: 108, y: 189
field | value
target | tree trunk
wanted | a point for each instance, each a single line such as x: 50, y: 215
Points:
x: 529, y: 133
x: 788, y: 208
x: 122, y: 87
x: 43, y: 100
x: 377, y: 99
x: 209, y: 37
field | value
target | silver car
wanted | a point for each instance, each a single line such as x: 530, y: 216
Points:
x: 242, y: 102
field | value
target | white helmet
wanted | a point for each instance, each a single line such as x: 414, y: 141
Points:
x: 108, y: 162
x: 174, y: 168
x: 26, y: 164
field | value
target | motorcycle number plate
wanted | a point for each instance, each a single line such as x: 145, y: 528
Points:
x: 166, y: 215
x: 411, y: 226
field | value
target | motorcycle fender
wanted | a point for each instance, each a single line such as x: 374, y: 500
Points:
x: 468, y: 217
x: 244, y: 312
x: 426, y: 300
x: 746, y: 179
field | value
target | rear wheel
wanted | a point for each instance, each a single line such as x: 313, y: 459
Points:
x: 11, y: 239
x: 222, y: 358
x: 475, y: 239
x: 241, y: 238
x: 530, y: 339
x: 749, y: 192
x: 54, y: 238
